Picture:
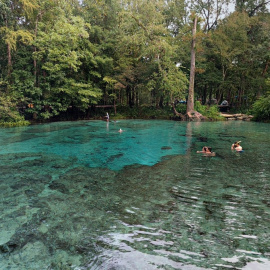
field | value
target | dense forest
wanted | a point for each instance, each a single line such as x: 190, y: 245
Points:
x: 65, y: 57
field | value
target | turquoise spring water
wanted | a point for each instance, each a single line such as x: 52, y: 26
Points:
x: 81, y: 195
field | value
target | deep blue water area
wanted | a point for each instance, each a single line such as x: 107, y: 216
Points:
x: 80, y: 195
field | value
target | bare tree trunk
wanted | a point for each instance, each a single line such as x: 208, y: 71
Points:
x: 177, y: 114
x: 190, y: 102
x: 9, y: 60
x: 192, y: 115
x: 9, y: 66
x: 36, y: 73
x: 35, y: 49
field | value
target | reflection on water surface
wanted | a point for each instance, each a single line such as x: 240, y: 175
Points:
x: 79, y: 195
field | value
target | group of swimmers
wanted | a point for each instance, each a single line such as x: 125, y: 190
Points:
x: 208, y: 150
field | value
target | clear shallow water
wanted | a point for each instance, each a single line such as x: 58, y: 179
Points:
x: 80, y: 195
x: 98, y: 143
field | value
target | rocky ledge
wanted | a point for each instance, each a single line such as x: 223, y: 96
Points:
x: 237, y: 116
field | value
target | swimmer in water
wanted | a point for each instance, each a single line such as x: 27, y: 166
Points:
x: 107, y: 117
x: 207, y: 151
x: 237, y: 147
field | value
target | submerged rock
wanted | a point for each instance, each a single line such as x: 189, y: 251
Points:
x: 8, y: 247
x: 237, y: 116
x: 202, y: 139
x: 166, y: 148
x: 59, y: 187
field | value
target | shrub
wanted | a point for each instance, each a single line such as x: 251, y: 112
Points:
x: 181, y: 108
x: 212, y: 112
x: 14, y: 124
x: 9, y: 115
x: 261, y: 109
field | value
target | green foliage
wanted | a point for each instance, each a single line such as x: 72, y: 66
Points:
x: 211, y: 112
x: 181, y: 108
x: 174, y: 81
x: 14, y: 124
x: 12, y: 37
x: 65, y: 56
x: 60, y: 45
x: 143, y: 112
x: 9, y: 115
x: 261, y: 109
x: 64, y: 53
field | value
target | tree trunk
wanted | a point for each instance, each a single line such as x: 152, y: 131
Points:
x: 192, y: 115
x: 9, y: 66
x: 178, y: 115
x: 35, y: 49
x: 204, y: 94
x: 161, y: 102
x: 9, y: 60
x: 190, y: 102
x: 128, y: 95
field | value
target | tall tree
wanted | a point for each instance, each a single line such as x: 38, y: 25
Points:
x: 211, y: 11
x: 251, y: 7
x: 190, y: 102
x: 148, y: 54
x: 61, y: 50
x: 13, y: 14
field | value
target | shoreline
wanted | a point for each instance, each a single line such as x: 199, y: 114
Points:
x: 237, y: 116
